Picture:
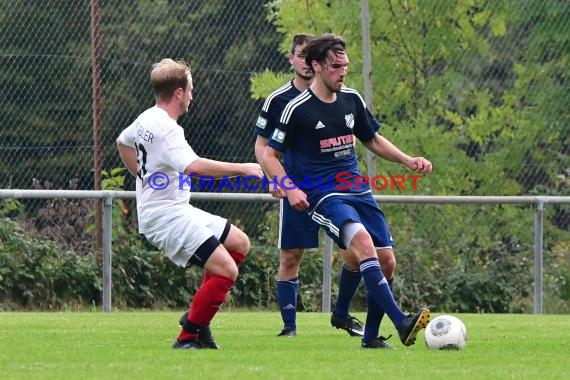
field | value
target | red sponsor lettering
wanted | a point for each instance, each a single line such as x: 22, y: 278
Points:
x: 336, y: 141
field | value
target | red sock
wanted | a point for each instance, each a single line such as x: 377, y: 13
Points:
x: 209, y: 298
x: 237, y: 256
x: 185, y: 335
x: 207, y: 276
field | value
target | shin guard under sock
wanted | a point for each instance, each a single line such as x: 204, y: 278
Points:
x: 237, y: 256
x: 347, y: 286
x: 287, y: 300
x: 379, y: 290
x: 208, y: 299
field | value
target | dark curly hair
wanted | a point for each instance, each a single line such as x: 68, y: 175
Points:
x: 318, y: 48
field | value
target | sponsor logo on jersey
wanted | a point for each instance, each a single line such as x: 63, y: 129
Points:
x: 320, y: 125
x: 261, y: 122
x: 278, y: 135
x: 349, y: 120
x: 336, y: 141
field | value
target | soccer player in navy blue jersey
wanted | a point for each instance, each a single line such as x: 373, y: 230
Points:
x: 297, y: 231
x: 320, y: 175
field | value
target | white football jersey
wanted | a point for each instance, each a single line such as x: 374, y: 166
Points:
x: 162, y: 156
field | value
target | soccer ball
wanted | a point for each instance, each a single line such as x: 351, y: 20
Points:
x: 446, y: 332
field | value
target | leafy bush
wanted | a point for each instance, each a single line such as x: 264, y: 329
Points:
x: 145, y: 278
x: 37, y: 274
x: 481, y: 269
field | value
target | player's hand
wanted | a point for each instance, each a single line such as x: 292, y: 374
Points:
x: 277, y: 193
x: 274, y: 189
x: 297, y: 199
x: 252, y: 169
x: 419, y: 164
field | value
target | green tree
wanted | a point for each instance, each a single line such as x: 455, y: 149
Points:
x: 46, y: 86
x: 46, y: 91
x: 223, y: 42
x: 473, y: 86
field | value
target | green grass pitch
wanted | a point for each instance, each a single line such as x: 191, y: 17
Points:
x: 136, y: 345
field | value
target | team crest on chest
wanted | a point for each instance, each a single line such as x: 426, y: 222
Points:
x: 349, y: 120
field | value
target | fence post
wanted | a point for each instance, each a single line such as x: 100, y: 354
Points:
x: 327, y: 276
x: 107, y: 232
x: 538, y: 237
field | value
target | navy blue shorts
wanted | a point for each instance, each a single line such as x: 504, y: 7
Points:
x: 336, y: 210
x: 296, y: 228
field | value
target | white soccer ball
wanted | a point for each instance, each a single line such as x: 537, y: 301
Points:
x: 446, y: 332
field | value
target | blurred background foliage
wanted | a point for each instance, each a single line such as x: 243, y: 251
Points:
x: 478, y: 87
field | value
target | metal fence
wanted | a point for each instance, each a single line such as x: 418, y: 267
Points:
x: 480, y: 88
x: 108, y: 197
x: 76, y: 73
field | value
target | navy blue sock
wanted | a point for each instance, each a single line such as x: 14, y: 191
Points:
x: 390, y: 282
x: 287, y: 299
x: 347, y: 286
x: 374, y: 316
x: 379, y: 290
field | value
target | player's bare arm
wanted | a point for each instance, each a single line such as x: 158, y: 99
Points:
x: 272, y: 166
x: 128, y: 155
x: 205, y: 166
x: 260, y: 145
x: 383, y: 148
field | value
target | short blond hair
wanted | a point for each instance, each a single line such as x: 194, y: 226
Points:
x: 168, y: 75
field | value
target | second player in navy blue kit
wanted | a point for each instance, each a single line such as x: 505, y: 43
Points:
x: 297, y: 231
x: 320, y: 175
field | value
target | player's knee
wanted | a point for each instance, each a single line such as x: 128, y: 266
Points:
x: 238, y: 241
x: 350, y: 260
x: 389, y: 268
x: 221, y: 263
x: 230, y: 270
x: 387, y: 262
x: 290, y: 259
x: 362, y: 245
x: 245, y: 245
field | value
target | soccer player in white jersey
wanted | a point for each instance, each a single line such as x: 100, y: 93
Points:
x: 320, y: 174
x: 154, y: 150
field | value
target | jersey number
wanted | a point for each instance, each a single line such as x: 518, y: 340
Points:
x: 141, y: 161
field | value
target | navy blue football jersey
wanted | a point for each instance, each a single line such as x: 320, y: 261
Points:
x: 268, y: 118
x: 317, y: 142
